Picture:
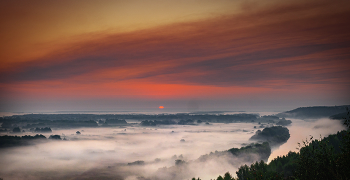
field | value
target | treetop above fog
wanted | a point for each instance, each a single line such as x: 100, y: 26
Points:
x: 274, y: 135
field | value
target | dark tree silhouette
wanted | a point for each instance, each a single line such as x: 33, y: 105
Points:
x: 56, y: 137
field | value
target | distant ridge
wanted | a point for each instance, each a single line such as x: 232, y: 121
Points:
x: 314, y: 112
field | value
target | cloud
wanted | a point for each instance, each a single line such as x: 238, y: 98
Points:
x: 259, y: 45
x: 290, y: 51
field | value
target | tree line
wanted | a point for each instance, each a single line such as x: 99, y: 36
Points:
x: 324, y: 158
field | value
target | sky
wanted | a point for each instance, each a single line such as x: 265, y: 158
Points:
x: 183, y: 55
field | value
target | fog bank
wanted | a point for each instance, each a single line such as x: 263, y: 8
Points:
x: 136, y: 152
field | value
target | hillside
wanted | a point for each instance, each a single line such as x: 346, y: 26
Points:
x: 313, y: 112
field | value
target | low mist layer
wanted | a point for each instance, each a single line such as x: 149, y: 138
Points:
x: 107, y: 147
x: 147, y: 152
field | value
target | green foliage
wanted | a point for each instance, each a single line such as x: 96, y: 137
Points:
x: 228, y: 176
x: 344, y: 158
x: 136, y: 163
x: 10, y: 141
x: 284, y: 122
x: 37, y: 136
x: 274, y: 135
x: 179, y: 162
x: 319, y: 160
x: 263, y: 150
x: 43, y: 130
x: 251, y: 148
x: 56, y: 137
x: 156, y: 122
x: 326, y: 158
x: 284, y: 165
x: 257, y: 170
x: 248, y: 152
x: 220, y: 178
x: 347, y: 118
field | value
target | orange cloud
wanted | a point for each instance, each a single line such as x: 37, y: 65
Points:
x: 288, y: 48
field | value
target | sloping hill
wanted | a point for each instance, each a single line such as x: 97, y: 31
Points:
x: 314, y: 112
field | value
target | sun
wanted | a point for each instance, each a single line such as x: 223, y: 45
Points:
x: 161, y: 107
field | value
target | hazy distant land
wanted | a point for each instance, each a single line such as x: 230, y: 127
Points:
x: 314, y: 112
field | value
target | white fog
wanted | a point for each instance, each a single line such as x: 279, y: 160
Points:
x: 105, y: 152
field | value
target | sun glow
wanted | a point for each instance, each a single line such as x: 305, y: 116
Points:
x: 161, y: 107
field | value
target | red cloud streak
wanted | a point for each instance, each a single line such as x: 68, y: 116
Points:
x: 294, y: 48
